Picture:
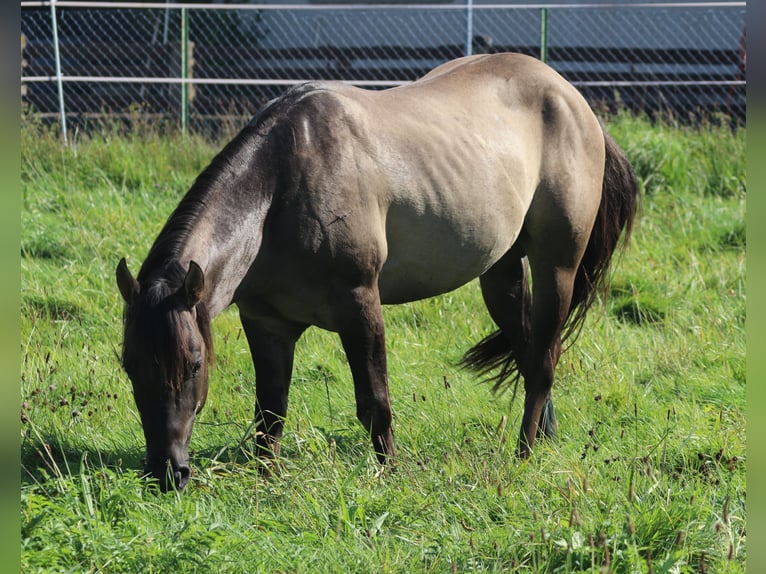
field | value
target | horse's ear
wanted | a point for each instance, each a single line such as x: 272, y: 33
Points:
x: 194, y: 283
x: 126, y: 282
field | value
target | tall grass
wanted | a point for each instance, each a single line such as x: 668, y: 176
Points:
x: 648, y: 474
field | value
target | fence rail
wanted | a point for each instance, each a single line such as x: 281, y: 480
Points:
x: 199, y: 63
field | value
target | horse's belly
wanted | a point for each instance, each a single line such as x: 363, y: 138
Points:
x: 426, y: 261
x: 455, y: 210
x: 404, y: 283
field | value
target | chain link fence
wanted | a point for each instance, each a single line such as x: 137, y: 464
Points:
x: 203, y: 65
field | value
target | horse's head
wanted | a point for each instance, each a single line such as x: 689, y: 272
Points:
x: 166, y: 350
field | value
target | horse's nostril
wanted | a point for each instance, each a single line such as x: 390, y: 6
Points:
x: 181, y: 477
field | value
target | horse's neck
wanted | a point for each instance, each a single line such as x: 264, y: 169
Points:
x: 225, y: 251
x: 225, y: 236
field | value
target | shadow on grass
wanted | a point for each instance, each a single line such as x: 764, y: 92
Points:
x: 50, y: 307
x: 43, y: 458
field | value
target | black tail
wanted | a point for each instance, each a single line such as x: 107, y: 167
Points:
x: 505, y: 351
x: 612, y: 229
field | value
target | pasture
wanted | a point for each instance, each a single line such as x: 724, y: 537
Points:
x: 648, y: 474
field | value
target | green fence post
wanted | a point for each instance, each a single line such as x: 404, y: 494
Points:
x: 59, y: 78
x: 544, y: 34
x: 184, y: 70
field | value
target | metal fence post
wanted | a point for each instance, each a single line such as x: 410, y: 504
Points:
x: 59, y: 79
x: 544, y: 34
x: 469, y: 28
x: 184, y: 70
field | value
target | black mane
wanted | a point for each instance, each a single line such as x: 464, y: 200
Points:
x: 175, y: 232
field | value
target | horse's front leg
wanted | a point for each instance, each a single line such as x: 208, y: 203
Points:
x: 362, y: 333
x: 273, y: 350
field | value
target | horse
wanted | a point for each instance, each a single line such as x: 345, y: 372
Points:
x: 334, y: 200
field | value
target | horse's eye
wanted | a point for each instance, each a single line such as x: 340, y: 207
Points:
x: 195, y: 368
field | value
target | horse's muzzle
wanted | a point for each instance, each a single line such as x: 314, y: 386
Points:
x: 169, y: 474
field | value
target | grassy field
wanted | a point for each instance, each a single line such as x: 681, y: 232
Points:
x: 648, y: 474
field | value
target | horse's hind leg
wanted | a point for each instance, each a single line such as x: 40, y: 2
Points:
x: 505, y: 288
x: 362, y: 334
x: 547, y: 425
x: 272, y: 350
x: 552, y: 295
x: 556, y: 232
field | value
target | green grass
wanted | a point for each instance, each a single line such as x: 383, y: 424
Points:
x: 647, y: 475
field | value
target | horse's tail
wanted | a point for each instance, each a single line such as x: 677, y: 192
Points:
x: 505, y: 351
x: 612, y: 228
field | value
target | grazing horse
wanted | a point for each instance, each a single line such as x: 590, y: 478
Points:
x: 335, y: 200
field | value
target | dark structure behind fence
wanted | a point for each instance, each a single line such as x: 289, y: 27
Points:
x: 203, y: 67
